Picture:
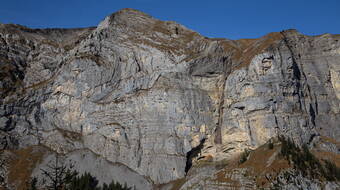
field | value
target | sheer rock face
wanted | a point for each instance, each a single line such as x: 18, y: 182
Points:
x: 286, y: 90
x: 143, y: 92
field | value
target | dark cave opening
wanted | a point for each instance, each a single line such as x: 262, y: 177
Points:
x: 193, y: 153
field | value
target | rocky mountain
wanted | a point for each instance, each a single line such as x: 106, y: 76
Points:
x: 156, y: 105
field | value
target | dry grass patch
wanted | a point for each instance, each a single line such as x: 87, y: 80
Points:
x: 262, y: 162
x: 329, y: 140
x: 22, y: 164
x: 253, y: 47
x: 177, y: 184
x: 331, y: 156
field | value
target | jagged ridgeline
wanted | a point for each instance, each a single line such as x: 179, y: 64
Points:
x: 155, y: 105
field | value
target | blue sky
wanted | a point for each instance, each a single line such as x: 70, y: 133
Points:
x: 213, y: 18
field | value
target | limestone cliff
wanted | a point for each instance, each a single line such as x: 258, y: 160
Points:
x: 145, y: 100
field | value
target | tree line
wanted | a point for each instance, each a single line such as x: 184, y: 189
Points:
x: 61, y: 176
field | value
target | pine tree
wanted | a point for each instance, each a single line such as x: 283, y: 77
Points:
x: 58, y: 174
x: 85, y: 182
x: 115, y: 186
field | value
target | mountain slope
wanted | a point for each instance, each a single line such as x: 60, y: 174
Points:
x: 154, y: 97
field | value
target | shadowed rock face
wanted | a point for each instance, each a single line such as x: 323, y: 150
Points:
x: 143, y: 92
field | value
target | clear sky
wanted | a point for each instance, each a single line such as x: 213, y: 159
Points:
x: 213, y: 18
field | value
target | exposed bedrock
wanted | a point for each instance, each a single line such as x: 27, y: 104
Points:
x: 144, y: 93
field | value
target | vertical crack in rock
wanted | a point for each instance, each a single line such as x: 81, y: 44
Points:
x: 316, y: 104
x: 252, y: 141
x: 312, y: 113
x: 297, y: 74
x: 137, y: 62
x: 193, y: 153
x: 296, y: 70
x: 218, y: 130
x: 139, y: 148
